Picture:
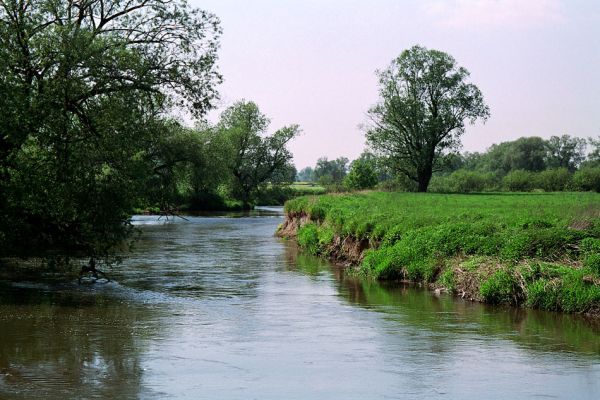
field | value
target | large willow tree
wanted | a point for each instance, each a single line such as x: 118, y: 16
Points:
x: 425, y: 100
x: 85, y: 86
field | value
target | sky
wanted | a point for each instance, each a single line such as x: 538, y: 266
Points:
x: 313, y: 63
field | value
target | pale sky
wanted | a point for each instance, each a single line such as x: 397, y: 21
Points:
x: 313, y: 63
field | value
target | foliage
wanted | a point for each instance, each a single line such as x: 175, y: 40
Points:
x: 308, y: 238
x: 552, y: 180
x: 306, y: 175
x: 424, y: 103
x: 330, y: 172
x: 499, y: 288
x: 590, y: 248
x: 464, y: 181
x: 315, y: 238
x: 565, y: 152
x: 84, y: 87
x: 587, y: 179
x: 518, y: 181
x: 255, y: 159
x: 362, y: 175
x: 593, y: 158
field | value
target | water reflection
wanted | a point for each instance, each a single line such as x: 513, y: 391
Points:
x: 419, y: 308
x: 59, y: 341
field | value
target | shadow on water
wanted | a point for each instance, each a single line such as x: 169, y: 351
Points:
x: 534, y: 330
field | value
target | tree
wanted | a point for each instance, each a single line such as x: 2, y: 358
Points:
x: 188, y: 166
x: 526, y: 153
x: 424, y: 103
x: 363, y: 173
x: 84, y: 88
x: 329, y: 172
x: 255, y: 158
x: 306, y: 175
x: 565, y: 152
x: 593, y: 158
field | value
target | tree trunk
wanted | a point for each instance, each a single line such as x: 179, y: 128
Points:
x: 423, y: 180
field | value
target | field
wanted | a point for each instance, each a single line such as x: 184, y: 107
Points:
x: 538, y: 249
x: 307, y: 188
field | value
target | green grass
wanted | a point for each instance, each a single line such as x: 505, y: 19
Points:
x: 307, y: 188
x: 414, y: 236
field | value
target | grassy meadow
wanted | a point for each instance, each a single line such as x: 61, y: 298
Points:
x: 536, y: 249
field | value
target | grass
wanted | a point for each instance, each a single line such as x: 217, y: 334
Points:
x: 307, y: 188
x: 537, y: 249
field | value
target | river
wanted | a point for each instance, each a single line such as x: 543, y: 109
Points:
x: 218, y: 308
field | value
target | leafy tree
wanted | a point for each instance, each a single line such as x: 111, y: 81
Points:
x: 425, y: 101
x: 526, y: 153
x: 593, y: 158
x: 362, y: 175
x: 306, y: 175
x: 565, y: 152
x: 328, y: 172
x: 188, y: 166
x: 84, y: 87
x: 255, y: 159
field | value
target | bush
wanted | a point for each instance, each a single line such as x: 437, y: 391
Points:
x: 362, y: 175
x: 447, y: 279
x: 543, y: 243
x: 518, y: 181
x: 553, y: 180
x: 587, y: 179
x: 463, y: 181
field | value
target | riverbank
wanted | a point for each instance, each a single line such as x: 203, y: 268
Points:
x: 537, y: 250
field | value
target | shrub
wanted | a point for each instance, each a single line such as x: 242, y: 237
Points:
x: 590, y: 248
x: 518, y: 181
x: 441, y: 184
x: 362, y: 175
x: 544, y: 243
x: 552, y: 180
x: 326, y: 235
x: 577, y: 295
x: 587, y: 179
x: 463, y: 181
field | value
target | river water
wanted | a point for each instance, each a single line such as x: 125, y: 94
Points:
x: 218, y: 308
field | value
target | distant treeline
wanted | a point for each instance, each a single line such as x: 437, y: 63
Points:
x: 561, y: 163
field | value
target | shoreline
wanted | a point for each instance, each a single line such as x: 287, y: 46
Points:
x: 470, y: 277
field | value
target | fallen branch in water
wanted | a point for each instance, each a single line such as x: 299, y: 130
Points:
x: 92, y: 271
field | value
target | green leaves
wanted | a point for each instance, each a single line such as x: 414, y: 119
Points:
x: 84, y: 88
x: 255, y: 160
x: 424, y: 103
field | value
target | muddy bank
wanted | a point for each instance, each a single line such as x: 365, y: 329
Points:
x: 345, y: 251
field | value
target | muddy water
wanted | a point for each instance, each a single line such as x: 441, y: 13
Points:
x: 218, y: 308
